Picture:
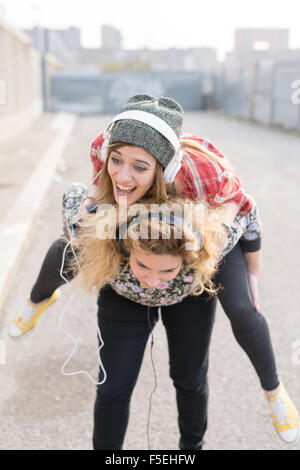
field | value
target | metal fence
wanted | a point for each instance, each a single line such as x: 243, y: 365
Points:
x: 264, y: 94
x: 88, y: 92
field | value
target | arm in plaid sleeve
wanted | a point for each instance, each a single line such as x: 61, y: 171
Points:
x: 95, y: 156
x: 230, y: 187
x: 251, y: 238
x: 206, y: 178
x: 92, y: 191
x: 231, y: 190
x: 246, y: 230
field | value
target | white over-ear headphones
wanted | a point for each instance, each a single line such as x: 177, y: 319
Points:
x: 161, y: 126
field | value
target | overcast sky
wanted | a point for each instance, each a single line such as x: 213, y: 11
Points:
x: 159, y: 23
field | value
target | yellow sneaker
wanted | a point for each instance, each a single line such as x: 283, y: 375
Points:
x: 27, y: 318
x: 285, y: 417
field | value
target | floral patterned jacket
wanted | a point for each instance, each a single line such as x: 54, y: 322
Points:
x: 126, y: 284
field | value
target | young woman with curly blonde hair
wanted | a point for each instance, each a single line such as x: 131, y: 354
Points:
x: 163, y: 256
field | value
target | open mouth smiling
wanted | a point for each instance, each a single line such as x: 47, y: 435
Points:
x: 124, y: 190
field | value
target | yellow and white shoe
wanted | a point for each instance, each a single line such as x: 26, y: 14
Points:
x: 27, y: 318
x: 285, y: 417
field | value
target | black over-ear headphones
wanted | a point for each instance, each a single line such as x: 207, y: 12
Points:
x: 171, y: 220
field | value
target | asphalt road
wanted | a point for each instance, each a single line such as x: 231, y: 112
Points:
x: 42, y: 409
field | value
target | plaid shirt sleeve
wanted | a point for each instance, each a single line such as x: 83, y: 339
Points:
x: 95, y: 156
x: 203, y: 178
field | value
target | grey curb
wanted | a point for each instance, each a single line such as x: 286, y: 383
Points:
x: 17, y: 228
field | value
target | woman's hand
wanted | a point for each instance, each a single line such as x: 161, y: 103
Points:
x: 92, y: 194
x: 87, y: 204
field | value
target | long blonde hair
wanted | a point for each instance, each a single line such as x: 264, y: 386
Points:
x: 100, y: 259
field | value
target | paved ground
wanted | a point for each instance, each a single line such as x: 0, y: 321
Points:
x: 41, y: 409
x: 19, y: 156
x: 28, y: 165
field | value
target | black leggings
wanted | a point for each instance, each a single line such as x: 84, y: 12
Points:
x: 125, y: 328
x: 249, y: 326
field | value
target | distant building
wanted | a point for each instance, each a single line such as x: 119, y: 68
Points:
x: 254, y: 46
x: 58, y: 42
x: 111, y: 38
x: 47, y: 39
x: 70, y: 37
x: 65, y: 45
x: 87, y: 59
x: 113, y: 57
x: 276, y: 39
x: 172, y: 60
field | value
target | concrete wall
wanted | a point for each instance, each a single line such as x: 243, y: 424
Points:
x: 21, y: 82
x: 269, y: 93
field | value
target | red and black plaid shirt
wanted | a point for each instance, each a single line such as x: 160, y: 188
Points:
x: 200, y: 177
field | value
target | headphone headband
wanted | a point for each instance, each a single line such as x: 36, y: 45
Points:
x: 153, y: 121
x: 167, y: 218
x: 158, y: 124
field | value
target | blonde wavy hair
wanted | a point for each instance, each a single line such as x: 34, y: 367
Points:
x: 99, y: 258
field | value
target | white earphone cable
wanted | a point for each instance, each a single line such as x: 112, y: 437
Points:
x: 72, y: 337
x: 154, y: 372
